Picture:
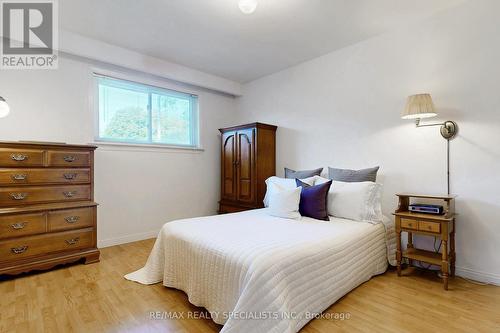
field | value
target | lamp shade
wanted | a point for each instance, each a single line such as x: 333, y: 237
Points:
x: 4, y: 107
x: 419, y: 106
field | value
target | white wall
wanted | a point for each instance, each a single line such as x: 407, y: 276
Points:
x: 138, y: 189
x: 343, y: 109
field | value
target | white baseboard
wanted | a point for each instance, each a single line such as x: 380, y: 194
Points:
x: 127, y: 239
x: 478, y: 276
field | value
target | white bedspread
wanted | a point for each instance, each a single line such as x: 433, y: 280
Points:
x: 258, y: 273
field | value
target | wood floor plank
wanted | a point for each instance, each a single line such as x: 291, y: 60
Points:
x: 96, y: 298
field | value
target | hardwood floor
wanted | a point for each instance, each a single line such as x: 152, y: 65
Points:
x: 96, y: 298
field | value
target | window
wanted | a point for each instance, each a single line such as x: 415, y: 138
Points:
x: 130, y: 112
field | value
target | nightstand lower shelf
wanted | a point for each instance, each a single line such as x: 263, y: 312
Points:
x: 423, y: 255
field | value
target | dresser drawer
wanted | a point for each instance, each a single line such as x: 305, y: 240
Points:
x: 44, y: 176
x: 24, y: 247
x: 22, y: 225
x: 21, y: 157
x: 429, y: 226
x: 70, y: 219
x: 37, y: 194
x: 409, y: 224
x: 69, y: 158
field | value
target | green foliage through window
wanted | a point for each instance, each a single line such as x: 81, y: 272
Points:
x: 136, y: 113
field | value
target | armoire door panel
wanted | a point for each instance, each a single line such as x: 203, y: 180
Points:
x: 245, y: 169
x: 245, y: 190
x: 228, y: 167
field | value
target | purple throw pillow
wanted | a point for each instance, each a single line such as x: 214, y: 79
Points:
x: 313, y: 200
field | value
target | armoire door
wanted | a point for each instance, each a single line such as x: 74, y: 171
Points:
x: 229, y: 166
x: 245, y: 161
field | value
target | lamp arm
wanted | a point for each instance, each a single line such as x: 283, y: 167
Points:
x: 417, y: 123
x: 429, y: 125
x: 448, y: 129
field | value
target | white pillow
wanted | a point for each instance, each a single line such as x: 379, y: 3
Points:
x: 286, y: 183
x: 359, y: 201
x: 320, y: 180
x: 284, y: 202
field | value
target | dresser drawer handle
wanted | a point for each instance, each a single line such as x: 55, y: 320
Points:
x: 69, y: 194
x: 19, y: 250
x: 72, y: 219
x: 69, y: 158
x: 19, y: 196
x: 20, y: 225
x: 19, y: 157
x: 72, y: 241
x: 69, y: 176
x: 19, y: 176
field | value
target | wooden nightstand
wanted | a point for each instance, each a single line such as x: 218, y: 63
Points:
x: 442, y: 226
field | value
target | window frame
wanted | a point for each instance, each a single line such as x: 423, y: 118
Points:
x: 151, y: 86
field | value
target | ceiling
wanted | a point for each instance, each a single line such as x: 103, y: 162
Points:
x: 215, y: 37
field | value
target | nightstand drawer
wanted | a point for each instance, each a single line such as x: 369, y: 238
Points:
x: 429, y: 226
x: 409, y: 224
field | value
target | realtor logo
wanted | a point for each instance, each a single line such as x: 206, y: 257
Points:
x: 29, y: 34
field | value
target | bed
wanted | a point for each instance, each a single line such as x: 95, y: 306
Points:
x: 257, y: 273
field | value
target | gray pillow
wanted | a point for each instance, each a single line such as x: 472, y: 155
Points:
x: 289, y: 173
x: 353, y: 176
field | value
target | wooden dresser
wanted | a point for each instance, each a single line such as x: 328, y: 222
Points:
x: 47, y: 212
x: 248, y: 158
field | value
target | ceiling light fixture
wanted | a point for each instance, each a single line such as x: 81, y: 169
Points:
x: 247, y: 6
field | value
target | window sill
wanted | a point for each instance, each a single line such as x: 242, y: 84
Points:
x: 119, y: 146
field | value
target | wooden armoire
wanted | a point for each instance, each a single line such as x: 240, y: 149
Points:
x: 248, y: 158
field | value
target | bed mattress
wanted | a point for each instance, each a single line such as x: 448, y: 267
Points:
x: 257, y: 273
